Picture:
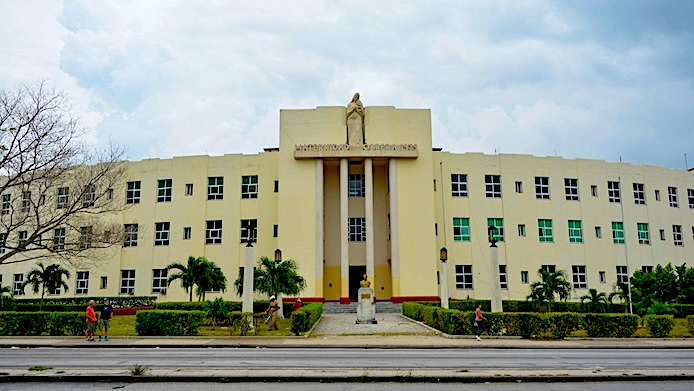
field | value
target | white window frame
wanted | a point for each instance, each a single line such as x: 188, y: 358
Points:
x: 622, y: 273
x: 672, y: 197
x: 59, y: 235
x: 249, y: 230
x: 525, y: 277
x: 249, y: 186
x: 644, y: 235
x: 127, y: 282
x: 690, y: 195
x: 17, y: 282
x: 22, y: 238
x: 542, y: 187
x: 459, y: 185
x: 639, y: 194
x: 85, y: 237
x: 492, y: 186
x: 26, y: 201
x: 578, y: 273
x: 189, y: 189
x: 131, y: 231
x: 82, y: 283
x: 215, y: 188
x: 503, y: 277
x: 463, y: 277
x: 571, y: 189
x: 89, y: 196
x: 677, y: 235
x: 213, y: 232
x: 613, y: 192
x: 6, y: 204
x: 357, y: 185
x: 62, y: 197
x: 159, y: 277
x: 162, y: 233
x: 357, y: 229
x: 133, y: 192
x: 187, y: 233
x: 164, y: 190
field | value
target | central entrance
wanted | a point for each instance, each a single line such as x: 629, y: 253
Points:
x: 356, y: 273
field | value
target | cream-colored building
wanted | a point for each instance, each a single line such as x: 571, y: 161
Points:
x: 369, y: 194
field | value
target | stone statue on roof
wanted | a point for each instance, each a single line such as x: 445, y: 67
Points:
x: 355, y: 121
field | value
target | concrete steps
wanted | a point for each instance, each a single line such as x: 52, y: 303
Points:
x: 382, y: 307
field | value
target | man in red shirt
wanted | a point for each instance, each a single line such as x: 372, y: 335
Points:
x: 91, y: 321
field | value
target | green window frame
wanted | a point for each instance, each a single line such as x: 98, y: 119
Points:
x: 545, y: 230
x: 618, y: 232
x: 643, y: 231
x: 575, y: 231
x: 499, y: 224
x: 461, y: 229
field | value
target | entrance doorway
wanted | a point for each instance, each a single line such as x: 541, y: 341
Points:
x: 356, y: 273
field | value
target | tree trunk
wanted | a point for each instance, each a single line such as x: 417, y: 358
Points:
x: 43, y: 292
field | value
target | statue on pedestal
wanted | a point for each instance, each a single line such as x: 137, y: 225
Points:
x: 366, y: 310
x: 365, y: 283
x: 355, y: 121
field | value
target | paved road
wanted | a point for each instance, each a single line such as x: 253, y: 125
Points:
x: 336, y: 358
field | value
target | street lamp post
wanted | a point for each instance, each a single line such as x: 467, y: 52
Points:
x: 497, y: 306
x: 443, y: 256
x: 278, y: 260
x: 248, y: 282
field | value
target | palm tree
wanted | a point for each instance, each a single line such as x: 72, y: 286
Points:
x: 274, y: 278
x: 200, y: 273
x: 4, y: 291
x: 550, y: 285
x: 594, y: 301
x: 186, y: 274
x: 46, y: 278
x: 621, y: 292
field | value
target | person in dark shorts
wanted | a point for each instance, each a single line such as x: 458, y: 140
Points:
x: 105, y: 316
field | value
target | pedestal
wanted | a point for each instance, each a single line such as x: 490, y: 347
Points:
x: 366, y: 309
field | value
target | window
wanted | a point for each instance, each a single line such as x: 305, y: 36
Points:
x: 575, y: 231
x: 132, y: 194
x: 22, y: 238
x: 545, y: 230
x: 215, y: 188
x: 249, y: 230
x: 357, y: 229
x: 189, y: 189
x: 499, y: 231
x: 127, y: 282
x: 26, y: 201
x: 622, y: 274
x: 662, y: 234
x: 594, y: 190
x: 521, y: 229
x: 5, y: 204
x: 639, y: 194
x: 617, y: 232
x: 89, y: 196
x: 542, y: 187
x: 275, y: 230
x: 130, y: 235
x: 519, y: 187
x: 603, y: 280
x: 3, y: 238
x: 657, y: 195
x: 463, y: 276
x: 85, y: 237
x: 503, y: 280
x: 579, y: 276
x: 356, y: 185
x: 549, y: 268
x: 459, y: 185
x: 55, y: 291
x: 461, y: 229
x: 647, y: 269
x: 613, y: 191
x: 277, y: 186
x: 109, y: 194
x: 164, y: 190
x: 59, y: 239
x: 598, y: 232
x: 690, y: 195
x: 162, y: 233
x: 571, y: 189
x: 213, y: 232
x: 672, y: 197
x: 17, y: 288
x: 63, y: 193
x: 186, y: 233
x: 492, y: 184
x: 524, y: 277
x: 677, y: 235
x: 82, y: 283
x: 159, y: 280
x: 642, y: 230
x: 249, y: 186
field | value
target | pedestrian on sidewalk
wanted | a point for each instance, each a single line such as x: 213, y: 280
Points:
x: 272, y: 313
x: 105, y: 316
x: 479, y: 321
x: 91, y: 321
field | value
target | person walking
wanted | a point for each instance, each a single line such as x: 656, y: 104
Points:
x: 105, y: 316
x: 479, y: 321
x: 272, y: 312
x: 297, y: 304
x: 91, y: 321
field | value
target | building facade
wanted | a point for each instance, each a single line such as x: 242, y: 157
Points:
x: 353, y: 191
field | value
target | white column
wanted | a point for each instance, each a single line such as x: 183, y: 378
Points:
x: 394, y: 226
x: 369, y: 208
x: 248, y: 283
x: 496, y: 283
x: 319, y: 227
x: 444, y: 284
x: 344, y: 230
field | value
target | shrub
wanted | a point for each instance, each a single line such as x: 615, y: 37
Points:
x: 37, y: 323
x: 218, y: 311
x: 162, y: 322
x: 531, y: 324
x: 690, y: 324
x: 563, y: 324
x: 658, y: 308
x: 610, y: 325
x: 305, y: 317
x: 683, y: 310
x: 116, y: 301
x: 659, y: 326
x: 239, y: 322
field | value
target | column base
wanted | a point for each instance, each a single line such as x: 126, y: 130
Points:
x: 345, y: 300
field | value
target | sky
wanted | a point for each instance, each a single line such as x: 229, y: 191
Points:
x: 593, y: 79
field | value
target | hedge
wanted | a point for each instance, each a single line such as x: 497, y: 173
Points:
x: 235, y: 306
x: 70, y: 303
x: 305, y: 317
x: 659, y: 326
x: 690, y: 324
x: 683, y: 310
x: 610, y: 325
x: 169, y: 323
x: 528, y: 306
x: 38, y: 323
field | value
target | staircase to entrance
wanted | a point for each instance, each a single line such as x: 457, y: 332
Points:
x: 382, y: 307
